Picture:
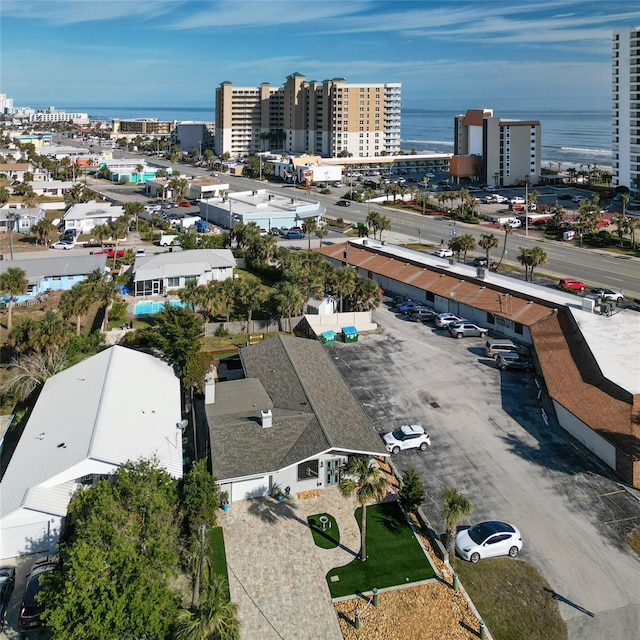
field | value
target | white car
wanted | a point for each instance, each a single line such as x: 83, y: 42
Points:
x: 608, y: 294
x: 443, y: 253
x: 337, y: 185
x: 517, y: 200
x: 499, y: 198
x: 62, y: 244
x: 443, y: 320
x: 579, y: 198
x: 409, y: 436
x: 487, y: 540
x: 514, y: 223
x: 429, y: 175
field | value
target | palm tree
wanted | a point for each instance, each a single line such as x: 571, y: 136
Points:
x: 343, y: 282
x: 13, y: 282
x: 373, y: 222
x: 322, y: 232
x: 467, y: 243
x: 251, y: 295
x: 51, y: 332
x: 385, y: 225
x: 487, y: 242
x: 228, y: 290
x: 507, y: 228
x: 525, y: 260
x: 625, y: 197
x: 139, y: 170
x: 214, y: 618
x: 309, y: 225
x: 538, y: 257
x: 106, y: 293
x: 289, y: 300
x: 43, y: 230
x: 622, y: 226
x: 30, y: 370
x: 366, y: 295
x: 76, y: 302
x: 361, y: 476
x: 455, y: 507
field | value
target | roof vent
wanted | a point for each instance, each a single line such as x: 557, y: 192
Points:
x: 267, y: 418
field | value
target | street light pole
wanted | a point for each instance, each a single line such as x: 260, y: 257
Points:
x: 526, y: 205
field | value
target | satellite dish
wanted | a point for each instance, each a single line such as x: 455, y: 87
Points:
x: 182, y: 425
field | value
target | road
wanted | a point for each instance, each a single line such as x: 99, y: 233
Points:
x: 595, y: 267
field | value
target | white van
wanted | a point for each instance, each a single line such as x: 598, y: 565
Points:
x: 167, y: 240
x: 495, y: 346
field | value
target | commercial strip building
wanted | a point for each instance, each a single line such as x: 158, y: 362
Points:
x: 496, y: 151
x: 266, y: 208
x: 325, y: 118
x: 626, y: 109
x: 590, y: 363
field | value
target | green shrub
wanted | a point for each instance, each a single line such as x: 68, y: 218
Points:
x: 221, y: 332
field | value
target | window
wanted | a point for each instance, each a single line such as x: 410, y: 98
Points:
x: 308, y: 470
x: 173, y: 282
x: 491, y: 319
x: 518, y: 328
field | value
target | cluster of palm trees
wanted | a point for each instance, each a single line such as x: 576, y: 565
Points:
x: 40, y: 343
x: 530, y: 259
x: 377, y: 223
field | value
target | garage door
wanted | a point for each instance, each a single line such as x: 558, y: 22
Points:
x: 251, y: 488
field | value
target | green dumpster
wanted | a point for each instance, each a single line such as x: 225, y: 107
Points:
x: 328, y: 337
x: 349, y: 334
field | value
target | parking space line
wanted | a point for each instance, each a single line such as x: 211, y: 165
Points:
x: 620, y: 520
x: 611, y: 493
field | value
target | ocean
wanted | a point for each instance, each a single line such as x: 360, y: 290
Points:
x: 571, y: 135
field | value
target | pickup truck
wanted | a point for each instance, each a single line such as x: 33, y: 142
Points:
x: 110, y: 253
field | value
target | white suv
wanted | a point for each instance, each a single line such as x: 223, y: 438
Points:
x: 409, y: 436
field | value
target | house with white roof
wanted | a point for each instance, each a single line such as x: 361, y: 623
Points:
x: 84, y: 216
x: 51, y: 187
x: 266, y: 208
x: 170, y: 271
x: 117, y: 406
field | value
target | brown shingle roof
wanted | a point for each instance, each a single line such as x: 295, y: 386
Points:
x: 574, y: 380
x: 466, y: 290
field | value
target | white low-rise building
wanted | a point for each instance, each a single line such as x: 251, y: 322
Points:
x: 117, y: 406
x: 84, y: 216
x: 265, y: 208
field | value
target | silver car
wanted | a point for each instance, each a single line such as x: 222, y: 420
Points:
x: 464, y: 329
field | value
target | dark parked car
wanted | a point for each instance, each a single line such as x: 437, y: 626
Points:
x: 564, y: 196
x: 7, y: 582
x: 343, y: 203
x: 422, y: 314
x: 518, y: 361
x: 407, y: 307
x: 30, y: 608
x: 294, y: 234
x: 481, y: 261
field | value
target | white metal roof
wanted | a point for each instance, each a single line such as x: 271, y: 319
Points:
x: 193, y: 262
x: 84, y: 210
x: 116, y: 406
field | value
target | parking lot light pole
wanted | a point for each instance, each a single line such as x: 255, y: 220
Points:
x: 526, y: 205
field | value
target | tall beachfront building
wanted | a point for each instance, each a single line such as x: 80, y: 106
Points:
x: 495, y: 150
x: 326, y: 118
x: 626, y: 109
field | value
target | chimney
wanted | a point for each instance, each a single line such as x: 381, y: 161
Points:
x: 481, y: 273
x: 267, y: 418
x: 210, y: 388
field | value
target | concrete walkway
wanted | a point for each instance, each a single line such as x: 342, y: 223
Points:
x: 277, y: 573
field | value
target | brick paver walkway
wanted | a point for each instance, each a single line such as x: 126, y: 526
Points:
x: 276, y: 572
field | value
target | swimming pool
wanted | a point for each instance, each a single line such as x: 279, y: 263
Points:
x: 149, y: 307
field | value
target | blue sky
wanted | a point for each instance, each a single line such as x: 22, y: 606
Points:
x: 169, y: 52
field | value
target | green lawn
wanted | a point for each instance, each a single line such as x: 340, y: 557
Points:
x: 327, y: 538
x: 394, y: 555
x: 218, y: 555
x: 513, y: 599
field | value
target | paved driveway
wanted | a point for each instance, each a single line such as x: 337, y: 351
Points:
x: 277, y: 573
x: 488, y: 439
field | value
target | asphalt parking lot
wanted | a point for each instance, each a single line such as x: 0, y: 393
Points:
x: 489, y: 439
